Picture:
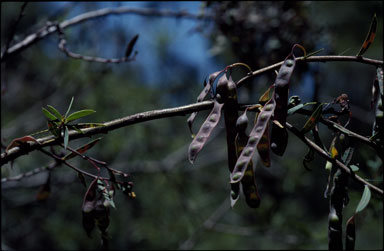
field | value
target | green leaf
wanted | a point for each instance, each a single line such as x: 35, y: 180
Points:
x: 69, y: 107
x: 75, y: 128
x: 370, y: 37
x: 311, y: 122
x: 112, y: 203
x: 49, y: 115
x: 66, y: 137
x: 354, y: 168
x: 347, y: 156
x: 298, y: 107
x: 79, y: 114
x: 55, y: 112
x: 364, y: 199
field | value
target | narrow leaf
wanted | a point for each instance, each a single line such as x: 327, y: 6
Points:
x: 66, y: 137
x: 79, y: 114
x: 311, y: 122
x: 20, y: 141
x: 370, y: 37
x: 55, y: 112
x: 266, y: 96
x: 130, y: 45
x: 354, y: 168
x: 69, y: 107
x: 298, y: 107
x: 365, y: 198
x: 347, y: 156
x: 49, y: 115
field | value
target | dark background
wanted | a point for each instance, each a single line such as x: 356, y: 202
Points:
x: 179, y: 205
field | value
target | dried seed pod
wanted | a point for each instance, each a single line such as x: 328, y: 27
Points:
x: 226, y: 88
x: 263, y: 148
x: 248, y: 182
x: 254, y: 138
x: 204, y: 132
x: 222, y: 89
x: 249, y: 187
x: 279, y: 138
x: 207, y: 87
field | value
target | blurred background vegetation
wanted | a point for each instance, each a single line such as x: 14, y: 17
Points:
x: 180, y: 206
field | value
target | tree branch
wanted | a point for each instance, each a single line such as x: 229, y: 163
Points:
x: 64, y: 49
x: 157, y: 114
x: 314, y: 59
x: 336, y: 162
x: 15, y: 152
x: 47, y: 30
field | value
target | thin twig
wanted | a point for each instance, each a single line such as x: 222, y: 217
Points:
x: 313, y: 59
x: 31, y: 173
x: 71, y: 166
x: 13, y: 31
x: 45, y: 31
x: 336, y: 162
x: 70, y: 54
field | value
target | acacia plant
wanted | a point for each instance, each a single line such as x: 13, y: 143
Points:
x: 260, y: 127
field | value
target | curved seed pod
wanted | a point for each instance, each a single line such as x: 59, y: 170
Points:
x: 263, y: 148
x: 204, y: 132
x: 248, y: 182
x: 254, y: 138
x: 226, y: 88
x: 279, y: 138
x: 249, y: 187
x: 207, y: 87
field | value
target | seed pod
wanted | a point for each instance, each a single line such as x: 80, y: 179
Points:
x: 222, y: 89
x: 279, y: 138
x: 263, y: 148
x: 202, y: 95
x: 204, y: 132
x: 226, y: 88
x: 254, y: 138
x: 249, y: 187
x: 248, y: 182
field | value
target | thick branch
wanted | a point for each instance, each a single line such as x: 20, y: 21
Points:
x: 108, y: 126
x: 45, y: 31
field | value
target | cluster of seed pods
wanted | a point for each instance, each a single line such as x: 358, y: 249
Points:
x: 279, y: 137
